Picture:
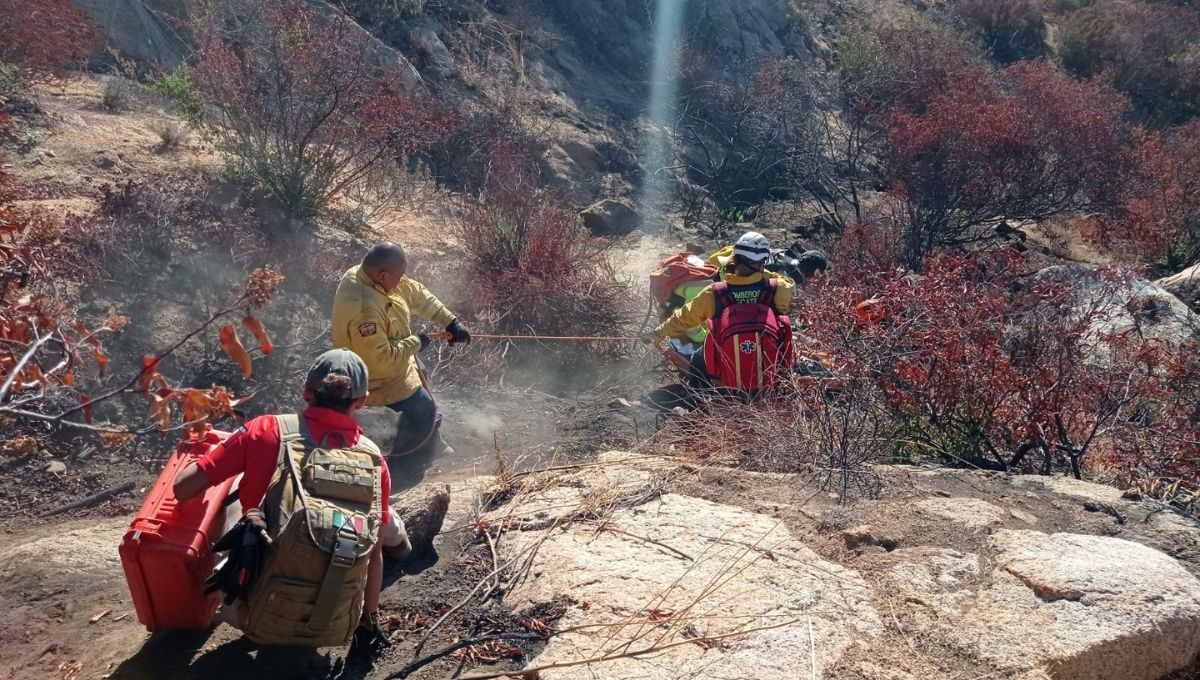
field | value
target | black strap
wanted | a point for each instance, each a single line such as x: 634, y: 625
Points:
x: 723, y: 297
x: 767, y: 296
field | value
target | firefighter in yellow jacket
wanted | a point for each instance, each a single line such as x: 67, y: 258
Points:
x: 745, y: 273
x: 372, y: 316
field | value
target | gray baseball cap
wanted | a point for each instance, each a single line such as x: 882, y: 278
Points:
x: 338, y: 362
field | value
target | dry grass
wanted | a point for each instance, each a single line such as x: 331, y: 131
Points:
x: 804, y: 428
x: 119, y: 95
x: 172, y: 134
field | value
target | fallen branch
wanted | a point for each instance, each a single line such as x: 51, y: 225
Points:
x: 58, y: 421
x: 612, y: 656
x: 447, y: 651
x: 93, y: 499
x: 660, y: 544
x: 16, y: 370
x: 484, y: 581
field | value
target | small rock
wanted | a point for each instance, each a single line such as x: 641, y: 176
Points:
x: 864, y: 534
x: 1023, y: 516
x: 56, y: 467
x: 104, y: 161
x: 611, y: 217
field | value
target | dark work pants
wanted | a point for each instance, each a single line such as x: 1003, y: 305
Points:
x: 697, y: 377
x: 417, y: 429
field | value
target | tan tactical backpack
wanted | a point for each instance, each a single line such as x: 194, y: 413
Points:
x: 323, y: 516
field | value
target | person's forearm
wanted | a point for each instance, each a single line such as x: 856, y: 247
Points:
x: 190, y: 483
x: 374, y: 580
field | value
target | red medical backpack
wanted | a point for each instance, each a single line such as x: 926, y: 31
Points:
x: 749, y: 343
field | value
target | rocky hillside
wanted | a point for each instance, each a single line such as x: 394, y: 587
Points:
x: 575, y: 76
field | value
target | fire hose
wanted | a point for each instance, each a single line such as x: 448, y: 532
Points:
x: 564, y: 338
x: 672, y: 356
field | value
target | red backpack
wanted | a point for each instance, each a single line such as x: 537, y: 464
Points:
x: 749, y: 343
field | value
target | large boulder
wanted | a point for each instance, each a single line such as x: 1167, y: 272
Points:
x: 146, y: 31
x: 1185, y: 285
x: 636, y: 565
x: 422, y: 509
x: 1101, y: 608
x: 675, y: 570
x: 1134, y: 305
x: 611, y: 217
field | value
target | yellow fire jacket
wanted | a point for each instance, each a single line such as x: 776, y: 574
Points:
x: 702, y: 307
x: 377, y: 326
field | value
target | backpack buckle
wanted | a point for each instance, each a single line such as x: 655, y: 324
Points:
x: 343, y: 549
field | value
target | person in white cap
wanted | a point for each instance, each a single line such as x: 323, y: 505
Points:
x: 745, y: 274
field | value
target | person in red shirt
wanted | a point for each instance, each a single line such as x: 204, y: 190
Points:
x: 335, y: 387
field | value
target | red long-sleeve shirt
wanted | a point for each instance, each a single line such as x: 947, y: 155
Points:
x: 254, y: 451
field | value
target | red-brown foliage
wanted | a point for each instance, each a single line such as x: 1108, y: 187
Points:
x: 51, y: 360
x: 44, y: 37
x: 1161, y: 218
x: 308, y: 112
x: 533, y: 267
x: 1028, y: 142
x: 976, y: 362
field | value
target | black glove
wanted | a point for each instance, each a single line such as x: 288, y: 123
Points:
x: 458, y: 333
x: 424, y: 338
x: 245, y: 542
x: 369, y: 639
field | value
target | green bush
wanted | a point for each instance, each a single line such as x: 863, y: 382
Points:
x: 181, y: 93
x: 12, y: 80
x: 1087, y: 38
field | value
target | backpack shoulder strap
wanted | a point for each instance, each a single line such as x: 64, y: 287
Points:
x: 723, y: 297
x: 767, y: 295
x: 367, y: 445
x: 291, y: 427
